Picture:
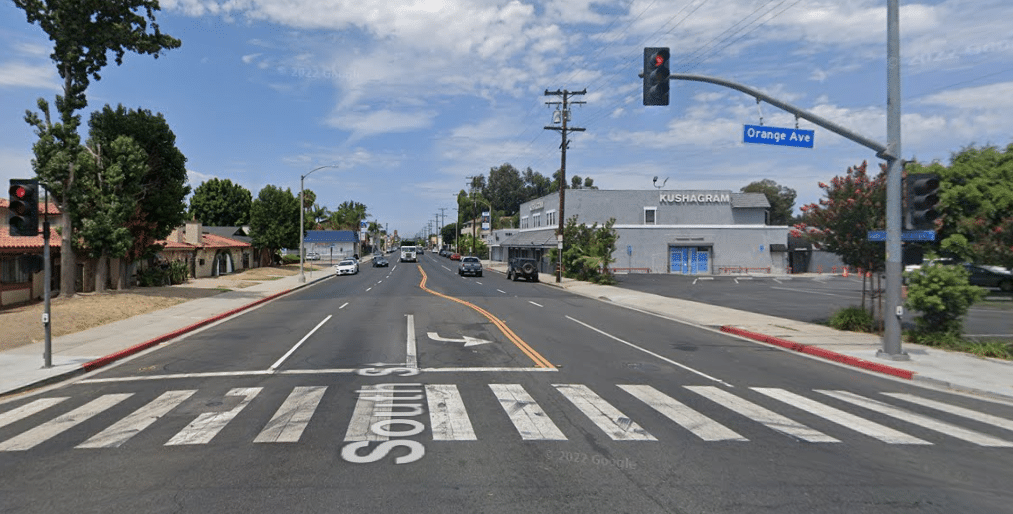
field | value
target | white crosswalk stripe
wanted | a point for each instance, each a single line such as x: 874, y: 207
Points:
x: 608, y: 418
x: 375, y: 406
x: 293, y: 416
x: 28, y: 409
x: 61, y: 424
x: 953, y: 409
x: 121, y: 431
x: 923, y: 421
x: 528, y: 418
x: 700, y: 425
x: 207, y: 425
x: 766, y: 417
x: 864, y: 426
x: 449, y: 417
x: 383, y: 411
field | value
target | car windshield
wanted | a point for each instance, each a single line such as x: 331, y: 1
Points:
x: 470, y: 259
x: 346, y: 263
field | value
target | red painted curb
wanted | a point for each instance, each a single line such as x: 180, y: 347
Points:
x: 822, y: 352
x: 102, y: 361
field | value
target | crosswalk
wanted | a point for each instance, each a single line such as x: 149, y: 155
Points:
x: 386, y: 411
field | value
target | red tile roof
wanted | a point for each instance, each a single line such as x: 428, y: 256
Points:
x: 7, y: 242
x: 213, y: 241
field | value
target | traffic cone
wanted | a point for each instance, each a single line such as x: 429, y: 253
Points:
x: 845, y: 271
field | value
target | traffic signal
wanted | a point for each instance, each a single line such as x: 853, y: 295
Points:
x: 656, y: 76
x: 922, y: 197
x: 23, y: 217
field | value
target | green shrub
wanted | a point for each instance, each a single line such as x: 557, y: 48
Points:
x: 854, y: 319
x: 153, y: 276
x: 943, y: 296
x: 178, y: 272
x: 290, y: 259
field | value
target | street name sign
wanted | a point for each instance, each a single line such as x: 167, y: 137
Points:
x: 778, y: 136
x: 907, y: 235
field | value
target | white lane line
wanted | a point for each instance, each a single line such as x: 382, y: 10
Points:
x: 288, y: 424
x: 368, y: 289
x: 446, y: 268
x: 770, y: 419
x: 535, y: 304
x: 670, y: 361
x: 209, y: 374
x: 121, y: 431
x: 794, y: 290
x: 411, y: 359
x: 953, y: 409
x: 322, y: 371
x: 207, y: 425
x: 448, y: 415
x: 477, y: 282
x: 917, y: 419
x: 700, y: 425
x: 297, y: 345
x: 847, y: 420
x: 60, y: 424
x: 528, y: 418
x: 343, y: 306
x: 28, y: 409
x: 502, y: 291
x: 609, y: 419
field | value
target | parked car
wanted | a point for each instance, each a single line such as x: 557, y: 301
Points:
x: 470, y: 266
x: 990, y: 276
x: 346, y: 267
x: 380, y: 262
x: 313, y: 256
x: 519, y: 267
x: 455, y: 256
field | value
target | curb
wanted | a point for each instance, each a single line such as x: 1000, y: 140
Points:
x: 822, y: 353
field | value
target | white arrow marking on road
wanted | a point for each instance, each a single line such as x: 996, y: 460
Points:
x: 468, y: 341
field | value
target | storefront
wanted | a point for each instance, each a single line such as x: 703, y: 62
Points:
x: 663, y: 231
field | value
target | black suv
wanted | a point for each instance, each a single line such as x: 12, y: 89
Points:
x: 522, y: 268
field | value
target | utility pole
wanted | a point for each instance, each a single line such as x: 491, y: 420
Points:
x: 443, y: 215
x: 564, y: 117
x: 471, y: 189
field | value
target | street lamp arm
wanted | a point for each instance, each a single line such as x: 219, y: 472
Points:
x: 302, y: 221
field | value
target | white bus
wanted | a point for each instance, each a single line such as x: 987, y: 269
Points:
x: 407, y: 254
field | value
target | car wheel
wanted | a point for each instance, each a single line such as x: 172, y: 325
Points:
x: 480, y: 273
x: 1006, y: 286
x: 535, y: 278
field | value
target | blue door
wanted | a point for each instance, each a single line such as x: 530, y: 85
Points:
x: 700, y: 261
x: 679, y: 260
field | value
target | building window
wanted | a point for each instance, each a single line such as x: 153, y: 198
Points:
x: 12, y: 272
x: 650, y: 215
x: 537, y: 220
x: 524, y: 222
x: 550, y: 218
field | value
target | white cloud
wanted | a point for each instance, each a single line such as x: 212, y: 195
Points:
x: 20, y: 74
x: 382, y: 121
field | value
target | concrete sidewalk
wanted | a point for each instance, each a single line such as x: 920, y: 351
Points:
x: 21, y: 368
x: 953, y: 370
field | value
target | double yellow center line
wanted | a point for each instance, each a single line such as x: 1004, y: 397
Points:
x: 540, y: 361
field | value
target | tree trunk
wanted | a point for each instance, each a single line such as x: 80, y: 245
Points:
x: 121, y: 281
x: 68, y: 264
x: 101, y: 273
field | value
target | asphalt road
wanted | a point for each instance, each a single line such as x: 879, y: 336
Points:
x: 807, y: 298
x: 410, y: 389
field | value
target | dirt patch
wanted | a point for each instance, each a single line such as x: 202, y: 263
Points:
x: 22, y: 325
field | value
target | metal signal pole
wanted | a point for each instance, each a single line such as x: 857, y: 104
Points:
x: 564, y: 117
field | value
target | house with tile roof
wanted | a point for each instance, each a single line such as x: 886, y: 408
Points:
x: 207, y: 252
x: 20, y: 279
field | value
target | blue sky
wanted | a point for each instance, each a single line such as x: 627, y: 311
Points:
x: 408, y: 98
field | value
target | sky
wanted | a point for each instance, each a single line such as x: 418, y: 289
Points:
x: 409, y: 98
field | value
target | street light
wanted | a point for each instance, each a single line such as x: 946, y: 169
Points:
x: 302, y: 223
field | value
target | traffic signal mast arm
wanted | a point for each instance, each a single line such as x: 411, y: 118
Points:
x: 880, y: 149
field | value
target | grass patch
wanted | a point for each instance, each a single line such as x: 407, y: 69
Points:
x: 853, y: 319
x: 997, y: 349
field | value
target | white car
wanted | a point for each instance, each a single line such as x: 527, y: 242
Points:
x: 346, y: 267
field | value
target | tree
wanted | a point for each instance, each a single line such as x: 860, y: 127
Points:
x: 83, y: 34
x: 536, y: 185
x: 853, y: 205
x: 975, y: 204
x: 348, y: 216
x: 588, y: 251
x: 162, y: 189
x: 505, y: 189
x: 781, y: 199
x: 106, y: 201
x: 221, y: 203
x: 274, y: 219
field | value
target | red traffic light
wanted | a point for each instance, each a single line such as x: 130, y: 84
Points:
x: 659, y: 60
x: 18, y: 191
